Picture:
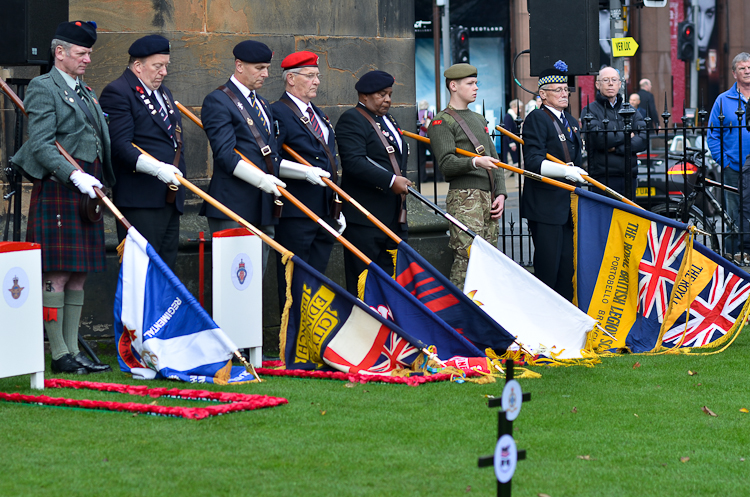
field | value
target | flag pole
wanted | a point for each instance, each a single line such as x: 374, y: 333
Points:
x: 498, y: 163
x: 588, y: 178
x: 336, y: 188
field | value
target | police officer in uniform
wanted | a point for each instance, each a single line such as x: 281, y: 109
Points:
x: 305, y: 129
x: 62, y: 108
x: 552, y: 130
x: 141, y: 111
x: 372, y: 173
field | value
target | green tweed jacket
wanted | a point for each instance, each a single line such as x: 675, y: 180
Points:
x: 55, y: 115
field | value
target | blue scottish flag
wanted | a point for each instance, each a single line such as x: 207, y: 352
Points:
x: 391, y: 300
x: 324, y: 327
x: 442, y: 297
x: 160, y: 329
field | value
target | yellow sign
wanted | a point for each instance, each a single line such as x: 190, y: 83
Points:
x: 624, y: 47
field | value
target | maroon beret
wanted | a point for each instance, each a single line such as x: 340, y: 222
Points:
x: 299, y: 59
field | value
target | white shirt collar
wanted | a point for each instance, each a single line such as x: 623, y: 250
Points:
x: 556, y: 112
x: 68, y: 79
x: 302, y: 105
x: 244, y: 89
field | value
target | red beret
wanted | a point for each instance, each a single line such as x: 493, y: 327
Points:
x: 299, y: 59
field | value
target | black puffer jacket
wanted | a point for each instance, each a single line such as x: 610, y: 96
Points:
x: 607, y: 149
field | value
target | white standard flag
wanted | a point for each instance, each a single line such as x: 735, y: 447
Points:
x: 540, y: 319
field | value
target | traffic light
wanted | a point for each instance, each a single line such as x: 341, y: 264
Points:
x: 460, y: 45
x: 685, y: 40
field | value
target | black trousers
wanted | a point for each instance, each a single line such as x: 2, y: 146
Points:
x: 553, y: 255
x: 160, y: 226
x: 374, y: 244
x: 308, y: 240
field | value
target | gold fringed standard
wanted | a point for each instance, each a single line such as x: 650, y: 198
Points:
x: 288, y: 270
x: 121, y: 249
x: 394, y: 256
x: 361, y: 285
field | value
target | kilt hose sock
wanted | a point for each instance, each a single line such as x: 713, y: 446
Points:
x: 53, y: 303
x: 72, y: 319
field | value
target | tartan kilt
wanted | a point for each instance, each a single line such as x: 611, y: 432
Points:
x: 68, y: 243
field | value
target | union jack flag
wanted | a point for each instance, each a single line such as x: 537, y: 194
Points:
x: 713, y: 312
x: 396, y: 353
x: 658, y: 269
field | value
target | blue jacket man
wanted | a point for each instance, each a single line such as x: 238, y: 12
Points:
x: 141, y: 111
x: 725, y: 144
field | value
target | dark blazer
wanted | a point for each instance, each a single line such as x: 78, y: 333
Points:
x: 295, y: 134
x: 55, y: 114
x: 649, y: 107
x: 542, y: 202
x: 226, y: 130
x: 131, y: 121
x: 367, y: 183
x: 510, y: 124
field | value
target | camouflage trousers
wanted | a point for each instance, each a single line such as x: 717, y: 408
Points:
x: 472, y: 207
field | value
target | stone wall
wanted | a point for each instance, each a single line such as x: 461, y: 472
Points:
x: 352, y: 37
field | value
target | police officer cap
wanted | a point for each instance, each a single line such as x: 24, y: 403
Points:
x: 149, y: 45
x: 253, y: 51
x: 556, y: 74
x: 374, y: 81
x: 79, y: 33
x: 300, y: 59
x: 460, y: 71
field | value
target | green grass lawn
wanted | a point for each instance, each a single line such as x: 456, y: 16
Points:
x: 612, y: 430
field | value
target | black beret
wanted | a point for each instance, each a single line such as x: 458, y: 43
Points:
x: 149, y: 45
x: 253, y: 51
x: 374, y: 81
x: 79, y: 33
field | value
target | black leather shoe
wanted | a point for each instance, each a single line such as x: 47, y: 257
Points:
x: 66, y: 364
x: 90, y: 365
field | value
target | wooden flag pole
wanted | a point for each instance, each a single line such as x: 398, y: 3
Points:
x: 503, y: 165
x: 588, y: 178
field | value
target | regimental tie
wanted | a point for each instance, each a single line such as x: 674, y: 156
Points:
x: 567, y: 125
x: 314, y: 122
x: 254, y: 103
x: 163, y: 115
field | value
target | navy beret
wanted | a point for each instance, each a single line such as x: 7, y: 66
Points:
x: 374, y: 81
x: 253, y: 51
x: 79, y: 33
x: 149, y: 45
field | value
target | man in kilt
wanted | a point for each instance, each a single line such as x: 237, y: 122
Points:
x: 62, y: 108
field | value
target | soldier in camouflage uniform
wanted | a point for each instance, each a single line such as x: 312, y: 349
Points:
x: 476, y: 196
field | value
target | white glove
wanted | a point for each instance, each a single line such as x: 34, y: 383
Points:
x: 85, y: 183
x: 166, y: 173
x: 342, y: 223
x: 251, y: 174
x: 569, y: 172
x: 295, y: 170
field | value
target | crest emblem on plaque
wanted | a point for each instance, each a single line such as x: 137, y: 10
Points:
x: 16, y: 289
x: 241, y: 272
